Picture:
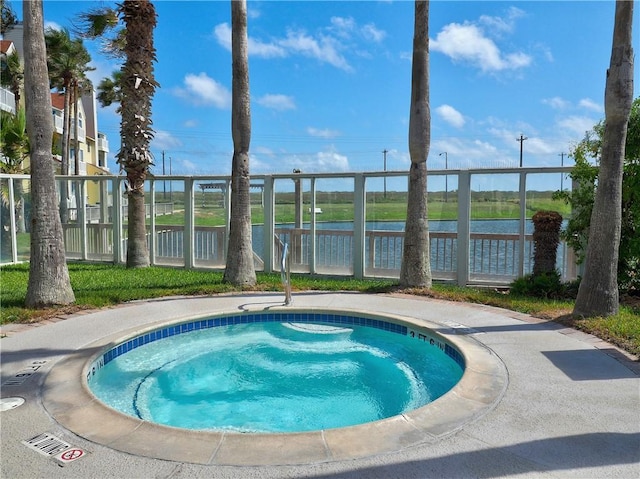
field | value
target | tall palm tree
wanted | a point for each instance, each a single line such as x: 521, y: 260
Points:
x: 240, y: 269
x: 67, y: 62
x: 598, y: 293
x: 49, y: 282
x: 416, y: 265
x: 137, y: 86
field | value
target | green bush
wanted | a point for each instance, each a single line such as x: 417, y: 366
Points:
x: 544, y: 285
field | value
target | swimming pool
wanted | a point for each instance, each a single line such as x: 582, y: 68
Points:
x: 67, y: 398
x: 278, y: 372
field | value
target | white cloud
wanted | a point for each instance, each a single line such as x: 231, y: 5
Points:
x: 191, y: 123
x: 498, y: 25
x: 330, y: 161
x: 577, y: 125
x: 323, y: 133
x: 451, y: 115
x: 163, y: 140
x: 589, y: 104
x: 342, y: 27
x: 371, y: 32
x: 469, y: 42
x: 222, y: 32
x: 204, y: 90
x: 324, y: 48
x: 556, y: 103
x: 277, y: 102
x: 52, y: 25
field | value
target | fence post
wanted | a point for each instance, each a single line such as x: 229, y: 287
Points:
x: 118, y: 242
x: 312, y: 229
x: 152, y: 222
x: 521, y: 230
x: 12, y: 222
x: 358, y: 225
x: 188, y: 248
x: 81, y: 206
x: 269, y: 227
x: 464, y: 227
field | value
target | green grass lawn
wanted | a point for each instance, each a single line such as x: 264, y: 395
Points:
x: 379, y: 210
x: 103, y: 285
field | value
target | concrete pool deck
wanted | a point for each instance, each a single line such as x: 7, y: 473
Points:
x: 569, y: 405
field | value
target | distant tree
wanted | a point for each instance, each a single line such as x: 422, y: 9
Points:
x: 7, y: 16
x: 585, y: 177
x: 110, y: 90
x: 416, y: 263
x: 12, y: 75
x: 49, y: 282
x: 240, y: 269
x: 598, y: 293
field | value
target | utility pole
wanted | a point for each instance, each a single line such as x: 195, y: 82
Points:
x: 164, y: 182
x: 384, y: 153
x: 561, y: 155
x: 446, y: 177
x: 521, y: 140
x: 170, y: 183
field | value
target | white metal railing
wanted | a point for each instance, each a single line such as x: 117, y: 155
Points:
x: 7, y: 100
x: 103, y: 144
x: 99, y: 233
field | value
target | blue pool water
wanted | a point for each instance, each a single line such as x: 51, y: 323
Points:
x: 275, y: 376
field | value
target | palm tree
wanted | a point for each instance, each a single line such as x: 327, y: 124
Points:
x: 598, y: 293
x: 12, y: 75
x: 416, y: 265
x: 240, y: 269
x: 110, y: 91
x: 49, y: 282
x: 67, y: 62
x: 137, y: 86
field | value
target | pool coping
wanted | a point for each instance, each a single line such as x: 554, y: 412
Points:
x: 70, y: 402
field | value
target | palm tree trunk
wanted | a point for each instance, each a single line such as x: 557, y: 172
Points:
x: 415, y: 270
x: 240, y: 269
x: 49, y: 282
x: 64, y: 166
x: 598, y: 292
x: 138, y: 86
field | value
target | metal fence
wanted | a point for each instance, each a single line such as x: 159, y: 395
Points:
x: 362, y: 246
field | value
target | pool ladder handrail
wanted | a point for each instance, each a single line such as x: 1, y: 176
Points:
x: 285, y: 274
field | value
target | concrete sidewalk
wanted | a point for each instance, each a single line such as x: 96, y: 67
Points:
x: 571, y: 407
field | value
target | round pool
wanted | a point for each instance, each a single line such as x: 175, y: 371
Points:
x: 265, y: 372
x: 67, y: 391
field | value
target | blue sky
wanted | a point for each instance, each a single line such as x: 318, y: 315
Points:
x: 330, y: 82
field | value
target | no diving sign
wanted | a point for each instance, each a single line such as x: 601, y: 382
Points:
x: 69, y: 455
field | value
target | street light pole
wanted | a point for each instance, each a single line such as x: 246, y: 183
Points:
x: 446, y: 177
x: 384, y: 153
x: 561, y: 155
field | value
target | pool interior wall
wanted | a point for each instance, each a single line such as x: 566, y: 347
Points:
x: 69, y: 401
x: 343, y: 319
